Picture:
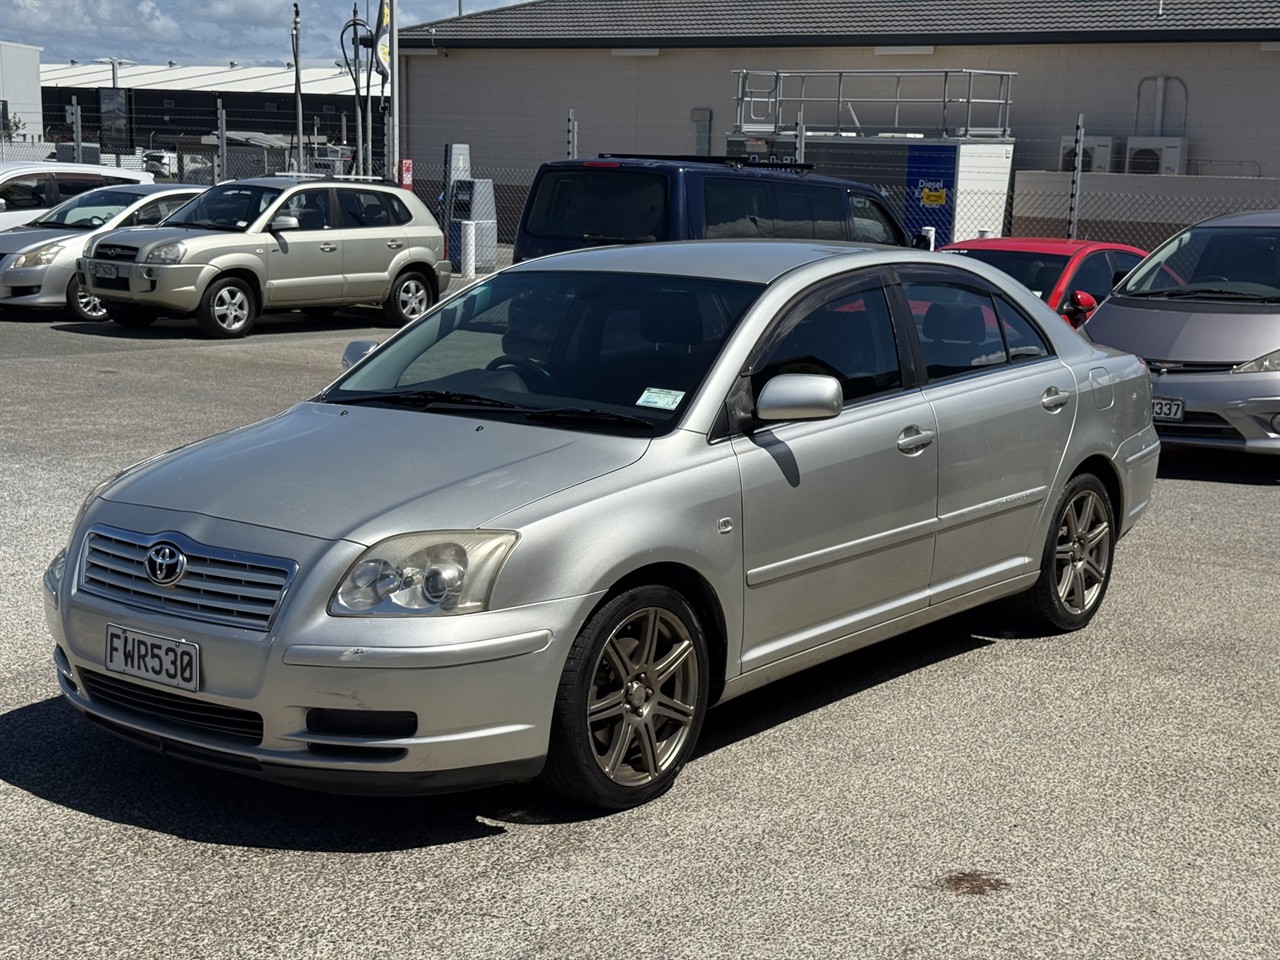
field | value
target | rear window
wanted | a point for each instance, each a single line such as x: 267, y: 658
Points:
x: 605, y: 205
x: 1038, y: 272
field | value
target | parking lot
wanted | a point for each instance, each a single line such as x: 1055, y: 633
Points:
x: 960, y: 792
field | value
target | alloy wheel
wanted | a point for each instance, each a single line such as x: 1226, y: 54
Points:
x: 1082, y: 554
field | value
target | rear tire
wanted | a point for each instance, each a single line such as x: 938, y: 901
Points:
x: 1075, y: 566
x: 631, y: 701
x: 83, y: 305
x: 228, y: 309
x: 410, y: 298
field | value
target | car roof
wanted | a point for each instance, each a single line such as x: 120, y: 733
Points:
x: 147, y: 189
x: 9, y: 166
x: 286, y: 180
x: 1038, y: 245
x: 1246, y: 218
x: 750, y: 261
x: 720, y: 166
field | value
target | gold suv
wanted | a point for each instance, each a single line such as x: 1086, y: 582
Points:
x: 272, y: 243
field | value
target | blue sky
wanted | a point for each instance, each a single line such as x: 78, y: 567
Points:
x: 199, y: 32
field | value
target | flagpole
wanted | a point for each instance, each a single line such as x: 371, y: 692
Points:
x: 393, y: 113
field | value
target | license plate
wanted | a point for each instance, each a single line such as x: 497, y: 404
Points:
x: 107, y: 271
x: 174, y: 663
x: 1162, y: 409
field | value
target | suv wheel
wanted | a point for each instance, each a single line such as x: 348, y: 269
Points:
x: 227, y: 309
x: 410, y: 298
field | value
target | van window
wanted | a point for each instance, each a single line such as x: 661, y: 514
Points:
x: 763, y: 208
x: 872, y: 223
x: 612, y: 205
x: 74, y: 184
x: 806, y: 211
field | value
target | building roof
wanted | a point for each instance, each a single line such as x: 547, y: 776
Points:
x: 779, y: 23
x: 326, y: 81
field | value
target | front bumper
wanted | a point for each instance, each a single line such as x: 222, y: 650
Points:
x: 1231, y: 411
x: 40, y: 287
x: 479, y: 689
x: 171, y: 287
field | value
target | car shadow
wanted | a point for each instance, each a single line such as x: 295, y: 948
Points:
x: 53, y: 753
x: 269, y: 324
x: 1219, y: 466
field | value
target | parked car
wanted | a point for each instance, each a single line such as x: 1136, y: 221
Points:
x: 191, y: 167
x: 542, y: 529
x: 629, y: 199
x: 1055, y: 270
x: 270, y: 243
x: 29, y: 188
x: 1204, y: 312
x: 38, y: 260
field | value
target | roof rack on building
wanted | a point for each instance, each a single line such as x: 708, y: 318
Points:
x: 695, y: 158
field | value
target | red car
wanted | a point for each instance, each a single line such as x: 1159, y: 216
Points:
x: 1072, y: 276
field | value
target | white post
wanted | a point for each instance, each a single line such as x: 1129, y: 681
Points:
x: 468, y: 249
x: 931, y: 233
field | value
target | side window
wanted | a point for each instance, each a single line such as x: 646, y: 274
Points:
x: 957, y: 327
x: 32, y: 192
x: 399, y: 211
x: 363, y: 208
x: 1122, y: 264
x: 1093, y: 276
x: 872, y: 222
x: 311, y: 207
x: 74, y: 184
x: 156, y: 210
x: 849, y: 338
x: 805, y: 211
x: 735, y: 208
x: 1023, y: 340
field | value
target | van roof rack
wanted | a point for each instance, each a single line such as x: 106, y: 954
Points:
x: 728, y: 161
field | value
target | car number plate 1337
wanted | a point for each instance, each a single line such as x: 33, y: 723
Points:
x: 1164, y: 409
x: 174, y: 663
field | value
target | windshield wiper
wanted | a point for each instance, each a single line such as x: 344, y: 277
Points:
x: 587, y: 415
x: 426, y: 398
x: 1188, y: 293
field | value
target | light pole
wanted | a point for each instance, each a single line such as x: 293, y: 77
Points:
x: 297, y: 80
x: 358, y: 28
x: 116, y: 64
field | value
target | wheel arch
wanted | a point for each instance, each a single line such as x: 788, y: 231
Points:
x: 1102, y: 468
x: 239, y: 273
x: 426, y: 269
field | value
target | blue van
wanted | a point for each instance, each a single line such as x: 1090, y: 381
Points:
x: 619, y: 198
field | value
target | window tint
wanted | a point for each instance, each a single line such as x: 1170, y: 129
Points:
x: 849, y: 338
x: 808, y: 212
x: 1093, y: 276
x: 399, y: 210
x: 872, y: 222
x: 1123, y: 261
x: 311, y: 207
x: 957, y: 327
x: 1023, y: 341
x: 31, y: 192
x: 74, y: 184
x: 157, y: 210
x: 1038, y: 272
x: 600, y: 205
x: 735, y: 208
x: 364, y: 208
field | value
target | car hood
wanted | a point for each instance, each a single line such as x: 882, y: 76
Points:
x: 364, y: 473
x: 25, y: 238
x: 141, y: 237
x: 1187, y: 331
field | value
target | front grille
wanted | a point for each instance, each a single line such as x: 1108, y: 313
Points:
x: 116, y: 252
x: 1166, y: 367
x: 197, y: 716
x: 1198, y: 426
x: 219, y: 586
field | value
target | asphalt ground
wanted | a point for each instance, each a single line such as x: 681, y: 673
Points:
x: 959, y: 792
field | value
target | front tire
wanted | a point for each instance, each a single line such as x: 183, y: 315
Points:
x: 1075, y: 567
x: 631, y: 701
x: 83, y: 305
x: 228, y: 309
x: 410, y: 298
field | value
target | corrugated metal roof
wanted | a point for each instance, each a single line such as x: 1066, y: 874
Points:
x: 689, y: 23
x: 330, y: 81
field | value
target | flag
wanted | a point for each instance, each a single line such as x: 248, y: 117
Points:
x: 382, y: 41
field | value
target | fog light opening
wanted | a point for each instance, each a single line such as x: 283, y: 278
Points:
x: 1275, y: 423
x: 365, y: 724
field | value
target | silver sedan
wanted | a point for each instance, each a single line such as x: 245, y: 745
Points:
x: 540, y: 531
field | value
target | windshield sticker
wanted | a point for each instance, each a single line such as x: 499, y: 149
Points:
x: 660, y: 399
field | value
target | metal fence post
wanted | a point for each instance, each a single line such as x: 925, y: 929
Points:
x: 572, y: 137
x: 75, y: 121
x: 1073, y: 213
x: 223, y: 159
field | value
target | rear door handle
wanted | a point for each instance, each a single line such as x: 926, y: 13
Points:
x: 1054, y: 399
x: 328, y: 247
x: 394, y: 244
x: 912, y: 440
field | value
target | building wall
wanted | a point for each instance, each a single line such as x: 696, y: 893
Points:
x: 20, y: 86
x: 511, y: 105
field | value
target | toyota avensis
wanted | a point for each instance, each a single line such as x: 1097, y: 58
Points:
x: 541, y: 530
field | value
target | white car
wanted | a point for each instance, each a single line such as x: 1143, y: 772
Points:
x: 38, y: 259
x: 30, y: 187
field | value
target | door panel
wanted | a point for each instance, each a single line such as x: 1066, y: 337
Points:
x: 370, y: 241
x: 305, y: 265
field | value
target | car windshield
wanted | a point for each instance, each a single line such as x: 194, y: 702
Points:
x: 596, y: 351
x: 1038, y: 272
x: 229, y: 206
x: 600, y: 206
x: 88, y: 210
x: 1214, y: 263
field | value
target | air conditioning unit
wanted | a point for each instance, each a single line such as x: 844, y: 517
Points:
x: 1099, y: 154
x: 1166, y: 155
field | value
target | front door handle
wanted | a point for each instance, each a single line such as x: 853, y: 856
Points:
x: 328, y: 247
x: 912, y: 440
x: 1054, y: 399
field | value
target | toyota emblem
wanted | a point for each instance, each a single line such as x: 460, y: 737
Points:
x: 165, y: 564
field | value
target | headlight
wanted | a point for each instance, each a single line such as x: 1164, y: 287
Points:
x: 39, y: 257
x: 170, y: 252
x: 440, y: 573
x: 1270, y: 363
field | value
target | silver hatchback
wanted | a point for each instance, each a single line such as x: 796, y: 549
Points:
x: 1204, y: 312
x: 543, y: 529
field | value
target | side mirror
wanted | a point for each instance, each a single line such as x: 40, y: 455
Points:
x: 283, y: 222
x: 356, y: 351
x: 1079, y: 307
x: 800, y: 396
